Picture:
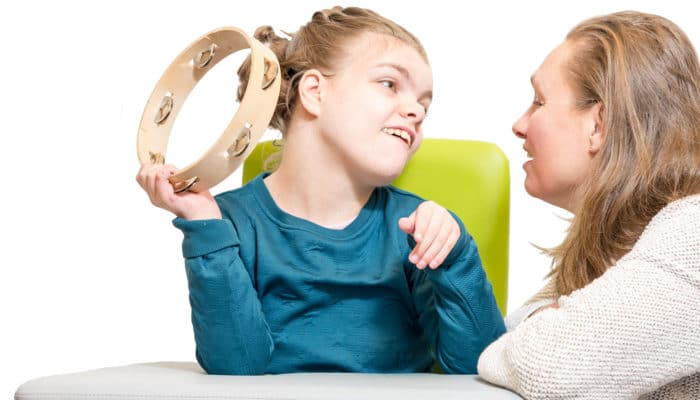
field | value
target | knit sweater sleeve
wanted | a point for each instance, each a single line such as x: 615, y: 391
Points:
x: 230, y: 330
x: 627, y: 333
x: 457, y: 308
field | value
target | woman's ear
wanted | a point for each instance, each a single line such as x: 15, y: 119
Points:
x: 598, y: 135
x: 311, y: 88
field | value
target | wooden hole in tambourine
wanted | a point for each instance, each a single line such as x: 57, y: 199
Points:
x: 204, y: 76
x: 206, y: 112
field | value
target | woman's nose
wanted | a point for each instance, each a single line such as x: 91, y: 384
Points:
x: 520, y: 127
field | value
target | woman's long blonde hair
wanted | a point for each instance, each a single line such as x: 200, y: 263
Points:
x: 644, y: 72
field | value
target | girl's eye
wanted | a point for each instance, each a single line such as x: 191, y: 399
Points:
x: 537, y: 102
x: 388, y: 84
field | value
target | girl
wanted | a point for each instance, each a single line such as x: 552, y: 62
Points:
x: 320, y: 266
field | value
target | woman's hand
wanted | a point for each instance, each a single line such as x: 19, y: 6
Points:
x: 153, y: 178
x: 435, y: 232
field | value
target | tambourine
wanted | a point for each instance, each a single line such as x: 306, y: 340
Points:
x: 242, y: 133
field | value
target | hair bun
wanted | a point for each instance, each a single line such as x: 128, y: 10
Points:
x: 266, y: 35
x: 334, y: 14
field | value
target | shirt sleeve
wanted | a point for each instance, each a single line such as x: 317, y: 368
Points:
x: 629, y: 332
x: 521, y: 314
x: 230, y: 330
x: 456, y: 307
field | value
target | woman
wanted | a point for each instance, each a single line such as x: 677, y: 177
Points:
x: 614, y: 137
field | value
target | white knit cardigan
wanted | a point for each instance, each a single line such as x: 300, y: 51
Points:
x: 633, y: 333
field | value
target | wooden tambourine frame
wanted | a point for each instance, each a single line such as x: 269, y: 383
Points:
x: 245, y: 129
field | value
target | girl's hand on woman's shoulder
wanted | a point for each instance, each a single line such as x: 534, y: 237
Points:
x: 435, y: 231
x: 153, y: 179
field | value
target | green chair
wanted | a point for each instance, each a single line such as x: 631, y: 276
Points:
x: 470, y: 178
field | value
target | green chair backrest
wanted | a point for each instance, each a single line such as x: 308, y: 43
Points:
x: 470, y: 178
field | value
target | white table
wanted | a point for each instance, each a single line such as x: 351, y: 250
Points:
x: 187, y: 381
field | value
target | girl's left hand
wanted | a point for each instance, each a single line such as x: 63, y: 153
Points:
x: 435, y: 232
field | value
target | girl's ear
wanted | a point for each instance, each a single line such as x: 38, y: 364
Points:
x: 311, y: 87
x: 597, y: 136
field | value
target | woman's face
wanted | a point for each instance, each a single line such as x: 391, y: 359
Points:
x: 559, y: 139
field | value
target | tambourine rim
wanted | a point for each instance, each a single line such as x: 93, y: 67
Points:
x: 214, y: 165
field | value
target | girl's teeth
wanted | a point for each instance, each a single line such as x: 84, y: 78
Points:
x: 400, y: 133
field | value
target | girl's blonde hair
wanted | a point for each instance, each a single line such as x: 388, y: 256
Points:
x: 318, y: 44
x: 644, y: 72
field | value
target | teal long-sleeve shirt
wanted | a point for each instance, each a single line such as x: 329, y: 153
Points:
x: 273, y: 293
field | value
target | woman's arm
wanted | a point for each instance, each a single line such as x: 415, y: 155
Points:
x: 627, y: 333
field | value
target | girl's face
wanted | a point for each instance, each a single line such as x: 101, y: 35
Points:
x: 559, y: 139
x: 374, y: 106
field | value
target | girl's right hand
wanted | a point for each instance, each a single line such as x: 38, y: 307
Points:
x: 153, y: 179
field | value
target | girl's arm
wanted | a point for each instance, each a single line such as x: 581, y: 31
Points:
x: 230, y: 330
x: 457, y: 308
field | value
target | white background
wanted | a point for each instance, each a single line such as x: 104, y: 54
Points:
x: 92, y: 274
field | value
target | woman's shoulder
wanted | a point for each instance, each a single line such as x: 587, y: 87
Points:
x: 685, y: 205
x: 678, y: 220
x: 673, y: 235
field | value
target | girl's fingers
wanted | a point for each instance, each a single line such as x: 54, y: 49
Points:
x: 446, y: 249
x: 440, y: 243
